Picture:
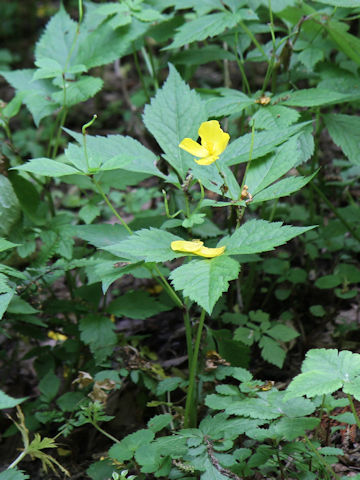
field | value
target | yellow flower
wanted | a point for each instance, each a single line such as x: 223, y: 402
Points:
x: 57, y: 336
x: 197, y: 248
x: 213, y: 143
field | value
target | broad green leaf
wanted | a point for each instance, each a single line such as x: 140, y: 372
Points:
x: 137, y: 304
x: 9, y: 206
x: 292, y: 428
x: 19, y: 306
x: 310, y: 56
x: 99, y: 235
x: 125, y: 449
x: 112, y: 152
x: 262, y: 172
x: 316, y: 97
x: 159, y: 422
x: 345, y: 132
x: 49, y: 386
x: 325, y: 371
x: 175, y: 113
x: 341, y: 3
x: 48, y: 167
x: 264, y: 142
x: 151, y: 245
x: 283, y: 188
x: 29, y: 198
x: 257, y: 236
x: 5, y: 299
x: 13, y: 107
x: 37, y: 93
x: 13, y: 474
x: 5, y: 244
x: 231, y: 101
x: 346, y: 42
x: 69, y: 401
x: 8, y: 402
x: 100, y: 470
x: 203, y: 281
x: 79, y: 91
x: 202, y: 28
x: 271, y: 351
x: 282, y: 332
x: 199, y: 56
x: 57, y: 40
x: 121, y: 12
x: 98, y: 333
x: 275, y: 116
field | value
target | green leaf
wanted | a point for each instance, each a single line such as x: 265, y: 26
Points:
x: 9, y: 206
x: 28, y: 196
x: 202, y: 28
x: 259, y: 236
x: 8, y: 402
x: 5, y: 299
x: 100, y: 470
x: 275, y: 116
x: 19, y: 306
x: 283, y: 188
x: 101, y: 235
x: 138, y: 305
x: 125, y: 449
x: 282, y: 333
x: 325, y: 371
x: 13, y: 474
x: 231, y: 101
x: 345, y: 132
x: 80, y: 91
x: 151, y: 245
x: 159, y: 422
x: 48, y: 167
x: 310, y: 56
x: 69, y: 401
x: 49, y: 386
x: 37, y: 93
x: 271, y: 351
x: 98, y: 333
x: 341, y: 3
x: 292, y: 428
x: 175, y: 113
x: 57, y: 40
x: 264, y: 142
x: 5, y: 244
x: 199, y: 56
x: 122, y: 14
x: 89, y: 212
x: 317, y: 310
x: 316, y: 97
x: 203, y: 281
x: 346, y: 42
x: 328, y: 281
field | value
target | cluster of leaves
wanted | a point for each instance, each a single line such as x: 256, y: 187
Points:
x: 63, y: 258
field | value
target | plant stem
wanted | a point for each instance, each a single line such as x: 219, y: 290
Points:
x: 168, y: 288
x: 190, y: 405
x: 18, y: 459
x: 103, y: 194
x: 188, y: 334
x: 241, y: 66
x: 108, y: 435
x: 253, y: 38
x: 317, y: 453
x: 353, y: 409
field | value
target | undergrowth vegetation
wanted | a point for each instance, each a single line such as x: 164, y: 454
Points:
x: 180, y: 238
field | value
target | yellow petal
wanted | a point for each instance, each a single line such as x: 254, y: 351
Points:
x: 210, y: 252
x: 207, y: 160
x: 187, y: 247
x: 193, y: 147
x: 213, y: 138
x: 57, y: 336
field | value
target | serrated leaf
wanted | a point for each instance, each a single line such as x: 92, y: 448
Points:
x: 125, y: 449
x: 9, y: 206
x: 316, y: 97
x: 159, y: 422
x: 282, y: 332
x: 49, y: 386
x: 231, y: 101
x: 310, y: 56
x: 13, y: 474
x: 203, y: 281
x: 37, y: 93
x: 271, y: 351
x: 202, y: 28
x: 176, y: 112
x: 275, y: 116
x: 257, y: 236
x: 57, y: 40
x: 325, y: 371
x: 48, y: 167
x: 8, y: 402
x: 345, y: 132
x: 5, y: 244
x: 264, y: 142
x: 79, y: 91
x: 346, y: 42
x: 98, y: 333
x: 151, y: 245
x: 138, y: 305
x: 282, y: 188
x: 5, y: 299
x: 341, y: 3
x: 291, y: 428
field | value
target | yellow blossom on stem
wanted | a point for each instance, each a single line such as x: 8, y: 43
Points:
x: 197, y: 248
x: 213, y: 142
x: 59, y: 337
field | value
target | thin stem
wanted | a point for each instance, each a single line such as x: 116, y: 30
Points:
x: 84, y: 128
x: 18, y: 459
x: 139, y: 72
x: 241, y: 66
x: 353, y: 409
x: 108, y: 435
x: 168, y: 288
x: 103, y: 194
x: 242, y: 211
x: 190, y: 406
x: 188, y: 334
x: 317, y: 453
x: 253, y: 38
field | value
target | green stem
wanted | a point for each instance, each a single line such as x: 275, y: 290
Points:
x: 139, y: 72
x: 317, y: 453
x: 190, y: 405
x: 353, y: 409
x: 18, y: 459
x: 104, y: 196
x: 253, y: 38
x: 168, y: 288
x: 188, y: 334
x: 241, y: 66
x: 108, y: 435
x: 84, y: 128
